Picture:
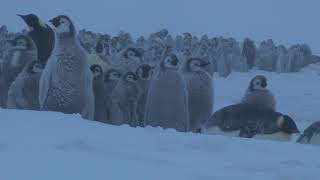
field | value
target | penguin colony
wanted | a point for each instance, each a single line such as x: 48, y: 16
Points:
x: 114, y: 81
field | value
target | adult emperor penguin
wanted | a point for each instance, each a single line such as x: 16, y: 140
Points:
x: 145, y: 72
x: 114, y: 115
x: 200, y: 92
x: 311, y: 135
x: 41, y: 34
x: 99, y: 92
x: 22, y: 51
x: 258, y: 94
x: 126, y: 94
x: 250, y: 121
x: 66, y: 82
x: 167, y: 104
x: 24, y: 91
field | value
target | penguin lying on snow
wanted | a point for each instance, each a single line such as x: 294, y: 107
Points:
x: 311, y: 135
x: 66, y: 82
x: 250, y: 121
x: 258, y: 94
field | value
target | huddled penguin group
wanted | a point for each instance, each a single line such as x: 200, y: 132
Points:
x: 48, y: 69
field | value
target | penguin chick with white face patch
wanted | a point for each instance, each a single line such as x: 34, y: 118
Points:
x: 99, y: 92
x: 66, y: 83
x: 129, y: 60
x: 42, y: 35
x: 167, y: 104
x: 126, y: 95
x: 311, y: 135
x: 21, y: 52
x: 24, y: 91
x: 258, y: 94
x: 250, y: 121
x: 200, y: 92
x: 144, y: 73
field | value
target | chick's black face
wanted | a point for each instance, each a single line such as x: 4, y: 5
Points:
x: 145, y: 71
x: 132, y: 52
x: 131, y: 77
x: 31, y: 20
x: 21, y: 42
x: 112, y: 75
x: 63, y: 24
x: 289, y: 126
x: 34, y: 67
x: 258, y: 82
x: 96, y: 71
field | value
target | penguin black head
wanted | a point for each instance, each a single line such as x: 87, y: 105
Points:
x: 34, y: 67
x: 32, y: 21
x: 63, y: 25
x: 171, y: 61
x: 96, y: 71
x: 286, y: 124
x: 21, y: 42
x: 131, y: 77
x: 145, y: 71
x: 195, y: 64
x: 101, y: 47
x: 258, y: 82
x: 132, y: 53
x: 112, y: 75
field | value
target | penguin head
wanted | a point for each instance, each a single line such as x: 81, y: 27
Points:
x: 133, y: 53
x: 171, y: 61
x: 34, y: 67
x: 258, y: 82
x: 196, y: 64
x: 22, y: 42
x: 96, y: 71
x: 131, y: 77
x: 145, y: 71
x: 63, y: 25
x: 33, y: 21
x: 112, y: 75
x: 102, y: 47
x: 286, y: 124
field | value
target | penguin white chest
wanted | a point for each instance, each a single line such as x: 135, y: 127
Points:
x: 15, y: 59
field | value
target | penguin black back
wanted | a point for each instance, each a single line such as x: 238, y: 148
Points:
x: 42, y: 35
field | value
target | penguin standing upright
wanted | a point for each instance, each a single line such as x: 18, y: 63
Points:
x: 250, y: 121
x: 167, y: 104
x: 128, y: 60
x: 23, y: 51
x: 200, y: 92
x: 126, y: 94
x: 311, y: 135
x: 145, y: 73
x: 42, y: 35
x: 112, y: 77
x: 98, y: 89
x: 66, y: 82
x: 24, y: 91
x: 258, y: 94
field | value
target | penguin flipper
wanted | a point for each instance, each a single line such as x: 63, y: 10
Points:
x: 45, y: 81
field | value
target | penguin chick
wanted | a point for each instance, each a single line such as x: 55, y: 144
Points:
x: 250, y: 121
x: 311, y: 135
x: 111, y: 80
x: 21, y: 52
x: 24, y: 91
x: 129, y: 60
x: 66, y: 83
x: 42, y: 35
x: 98, y: 89
x: 167, y: 104
x: 258, y: 94
x: 144, y: 72
x: 200, y: 92
x: 126, y: 94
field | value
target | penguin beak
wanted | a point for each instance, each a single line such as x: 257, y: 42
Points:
x: 22, y: 16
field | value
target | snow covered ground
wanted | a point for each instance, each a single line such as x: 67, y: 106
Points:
x: 54, y: 146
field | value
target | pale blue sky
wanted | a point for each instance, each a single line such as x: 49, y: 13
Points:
x: 285, y: 21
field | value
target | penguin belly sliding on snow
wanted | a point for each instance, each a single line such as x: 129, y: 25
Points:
x: 66, y: 82
x: 167, y: 104
x: 311, y: 135
x: 200, y: 92
x: 24, y: 91
x: 258, y: 94
x: 249, y: 121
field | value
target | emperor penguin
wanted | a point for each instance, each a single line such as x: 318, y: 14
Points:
x: 126, y: 94
x: 144, y: 72
x: 99, y: 92
x: 111, y: 79
x: 21, y: 52
x: 24, y: 91
x: 250, y: 121
x: 167, y: 103
x: 258, y: 94
x: 66, y: 82
x: 41, y: 34
x: 128, y: 60
x: 200, y: 92
x: 311, y: 135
